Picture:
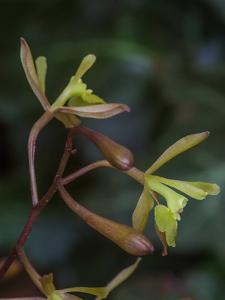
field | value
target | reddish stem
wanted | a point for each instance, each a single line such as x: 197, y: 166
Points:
x: 38, y: 209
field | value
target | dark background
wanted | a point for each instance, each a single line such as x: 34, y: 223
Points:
x: 166, y: 60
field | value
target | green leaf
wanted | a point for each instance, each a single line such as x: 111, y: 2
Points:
x: 166, y: 222
x: 176, y: 202
x: 184, y: 186
x: 142, y: 210
x: 177, y: 148
x: 41, y: 66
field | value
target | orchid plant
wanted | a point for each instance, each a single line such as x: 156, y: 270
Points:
x: 166, y: 196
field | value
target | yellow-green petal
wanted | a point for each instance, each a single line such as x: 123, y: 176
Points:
x: 41, y: 66
x: 166, y: 222
x: 120, y: 278
x: 85, y: 99
x: 55, y: 296
x: 84, y: 66
x: 184, y: 186
x: 92, y: 98
x: 96, y: 291
x: 142, y: 210
x: 210, y: 188
x: 177, y: 148
x: 175, y: 201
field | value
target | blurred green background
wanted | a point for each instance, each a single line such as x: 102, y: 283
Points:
x: 166, y: 59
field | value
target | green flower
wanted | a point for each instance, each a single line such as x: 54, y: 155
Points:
x: 76, y: 100
x: 47, y: 287
x: 166, y: 217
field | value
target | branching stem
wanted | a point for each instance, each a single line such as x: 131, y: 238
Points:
x: 135, y: 173
x: 36, y: 210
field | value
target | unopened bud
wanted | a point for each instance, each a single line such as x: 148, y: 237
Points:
x: 118, y: 155
x: 127, y: 238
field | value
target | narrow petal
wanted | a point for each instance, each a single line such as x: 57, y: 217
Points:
x: 29, y: 69
x: 41, y: 66
x: 184, y: 186
x: 84, y: 66
x: 210, y: 188
x: 176, y: 202
x: 166, y: 222
x: 142, y: 210
x: 177, y: 148
x: 99, y: 111
x: 120, y: 278
x: 96, y: 291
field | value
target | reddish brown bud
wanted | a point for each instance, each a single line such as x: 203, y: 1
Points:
x: 127, y: 238
x: 124, y: 236
x: 119, y: 156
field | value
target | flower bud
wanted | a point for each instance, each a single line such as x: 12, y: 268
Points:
x: 127, y: 238
x: 118, y: 156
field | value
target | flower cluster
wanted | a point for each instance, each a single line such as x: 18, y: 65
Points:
x: 166, y: 216
x: 75, y: 101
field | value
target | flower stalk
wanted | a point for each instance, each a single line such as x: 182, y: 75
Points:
x: 168, y: 197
